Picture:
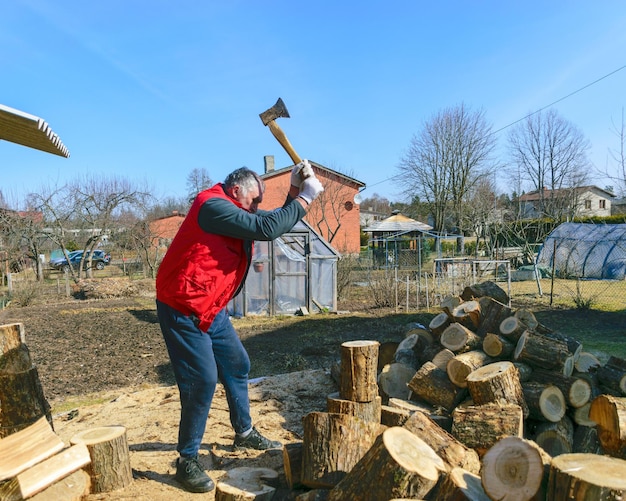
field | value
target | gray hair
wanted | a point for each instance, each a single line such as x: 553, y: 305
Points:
x: 245, y: 178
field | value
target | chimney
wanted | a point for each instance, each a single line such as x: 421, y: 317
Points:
x: 269, y: 163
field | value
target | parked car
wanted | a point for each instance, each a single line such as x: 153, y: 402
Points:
x: 99, y: 260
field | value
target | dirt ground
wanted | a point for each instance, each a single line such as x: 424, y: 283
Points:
x: 103, y: 362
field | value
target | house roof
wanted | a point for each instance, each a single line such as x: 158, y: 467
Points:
x: 284, y: 170
x: 397, y: 223
x: 532, y: 196
x: 29, y: 130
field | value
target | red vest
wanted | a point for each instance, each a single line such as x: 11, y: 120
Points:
x: 202, y: 271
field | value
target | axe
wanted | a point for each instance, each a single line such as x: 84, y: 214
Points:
x: 268, y: 117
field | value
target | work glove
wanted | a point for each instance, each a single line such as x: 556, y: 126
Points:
x: 300, y: 172
x: 310, y: 189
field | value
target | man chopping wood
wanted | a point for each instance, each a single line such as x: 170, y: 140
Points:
x: 204, y: 268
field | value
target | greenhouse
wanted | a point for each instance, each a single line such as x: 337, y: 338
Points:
x: 296, y: 273
x: 581, y: 250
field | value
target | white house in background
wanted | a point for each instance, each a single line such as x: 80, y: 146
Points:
x: 589, y: 200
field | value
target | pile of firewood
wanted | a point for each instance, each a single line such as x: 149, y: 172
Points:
x: 484, y: 403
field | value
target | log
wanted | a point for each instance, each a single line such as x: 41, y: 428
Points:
x: 441, y: 358
x: 453, y: 452
x: 438, y: 324
x: 481, y: 426
x: 587, y: 477
x: 468, y: 314
x: 612, y: 375
x: 461, y: 365
x: 460, y: 485
x: 404, y: 465
x: 74, y: 487
x: 110, y: 460
x: 545, y: 401
x: 393, y: 380
x: 448, y: 304
x: 359, y: 360
x: 488, y: 288
x: 609, y: 412
x: 12, y: 336
x: 386, y: 353
x: 577, y: 391
x: 438, y: 415
x: 292, y: 463
x: 368, y: 411
x: 42, y: 475
x: 458, y: 338
x: 332, y: 445
x: 555, y: 438
x: 245, y: 483
x: 512, y: 328
x: 492, y: 314
x: 580, y: 415
x: 540, y: 351
x: 527, y: 318
x: 497, y: 346
x: 525, y: 371
x: 27, y: 447
x: 586, y: 362
x: 496, y: 382
x: 394, y: 416
x: 432, y: 384
x: 422, y: 331
x: 514, y: 469
x: 586, y: 440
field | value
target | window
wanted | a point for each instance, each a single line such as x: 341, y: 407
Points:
x: 588, y: 204
x: 602, y: 204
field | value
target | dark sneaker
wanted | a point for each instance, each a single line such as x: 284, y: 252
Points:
x: 255, y: 440
x: 191, y: 475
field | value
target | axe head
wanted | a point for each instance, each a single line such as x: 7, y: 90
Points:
x: 279, y: 110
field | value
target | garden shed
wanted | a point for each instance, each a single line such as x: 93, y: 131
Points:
x: 295, y: 273
x: 583, y: 250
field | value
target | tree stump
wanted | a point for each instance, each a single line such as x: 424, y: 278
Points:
x: 110, y: 460
x: 514, y: 469
x: 398, y: 465
x: 541, y: 351
x: 359, y: 361
x: 367, y: 411
x: 496, y: 382
x: 587, y: 477
x: 461, y: 365
x: 458, y: 338
x: 432, y: 384
x: 446, y: 446
x: 555, y: 438
x: 609, y: 412
x: 497, y: 346
x: 460, y: 485
x: 292, y: 463
x: 480, y: 426
x: 545, y: 401
x: 332, y: 445
x: 246, y: 484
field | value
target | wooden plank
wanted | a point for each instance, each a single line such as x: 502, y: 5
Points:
x: 28, y: 447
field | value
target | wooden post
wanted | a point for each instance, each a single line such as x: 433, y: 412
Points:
x: 110, y: 461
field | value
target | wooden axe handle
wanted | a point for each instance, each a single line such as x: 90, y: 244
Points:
x: 282, y: 139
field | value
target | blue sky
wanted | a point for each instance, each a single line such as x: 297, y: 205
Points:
x: 150, y: 90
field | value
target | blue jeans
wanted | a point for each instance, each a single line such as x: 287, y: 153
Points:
x: 201, y: 359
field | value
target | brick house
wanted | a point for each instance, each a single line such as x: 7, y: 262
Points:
x: 585, y: 201
x: 334, y: 215
x: 163, y: 230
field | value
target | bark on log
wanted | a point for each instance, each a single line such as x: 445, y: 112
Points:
x: 246, y: 484
x: 432, y: 384
x: 481, y: 426
x: 609, y: 413
x: 393, y: 380
x: 512, y: 328
x: 577, y: 391
x: 545, y: 401
x: 488, y: 288
x: 405, y: 466
x: 586, y: 440
x: 394, y: 416
x: 514, y: 469
x: 492, y: 313
x: 555, y: 438
x: 497, y: 382
x: 11, y: 337
x: 468, y: 314
x: 459, y: 485
x: 110, y: 460
x: 453, y: 452
x: 587, y: 477
x: 497, y: 346
x: 332, y: 445
x: 292, y: 463
x: 359, y: 360
x: 612, y: 375
x: 436, y: 414
x: 463, y: 364
x: 439, y: 323
x: 367, y: 411
x: 458, y: 338
x: 540, y: 351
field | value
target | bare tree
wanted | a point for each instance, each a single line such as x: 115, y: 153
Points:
x: 481, y: 214
x: 24, y: 236
x: 197, y: 180
x: 444, y: 161
x: 550, y: 155
x: 619, y: 157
